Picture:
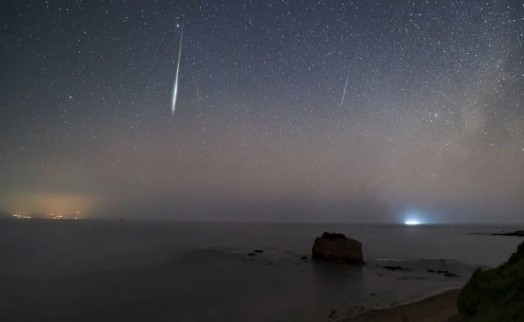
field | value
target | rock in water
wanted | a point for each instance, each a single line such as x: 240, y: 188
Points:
x: 496, y: 294
x: 338, y: 248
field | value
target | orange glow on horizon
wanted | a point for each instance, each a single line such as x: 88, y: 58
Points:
x: 48, y: 205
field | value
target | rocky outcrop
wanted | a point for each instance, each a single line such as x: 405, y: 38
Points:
x: 496, y: 294
x: 337, y: 248
x: 517, y: 233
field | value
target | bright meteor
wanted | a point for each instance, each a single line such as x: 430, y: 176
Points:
x: 175, y: 84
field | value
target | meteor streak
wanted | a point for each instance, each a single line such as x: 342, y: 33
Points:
x: 175, y: 84
x: 344, y: 94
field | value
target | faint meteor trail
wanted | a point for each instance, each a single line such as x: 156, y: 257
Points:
x: 344, y: 94
x: 175, y: 84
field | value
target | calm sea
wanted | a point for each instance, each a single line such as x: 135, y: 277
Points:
x: 170, y: 271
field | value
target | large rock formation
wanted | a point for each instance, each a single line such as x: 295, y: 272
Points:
x: 496, y: 294
x: 337, y: 248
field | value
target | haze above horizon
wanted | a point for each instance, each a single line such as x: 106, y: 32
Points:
x: 363, y: 111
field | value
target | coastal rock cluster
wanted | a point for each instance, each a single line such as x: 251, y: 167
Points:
x: 495, y: 294
x: 337, y: 248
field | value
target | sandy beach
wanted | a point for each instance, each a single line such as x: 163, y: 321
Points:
x: 438, y: 308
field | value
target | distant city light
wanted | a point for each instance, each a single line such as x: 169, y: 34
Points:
x: 21, y: 216
x: 412, y: 222
x: 52, y: 216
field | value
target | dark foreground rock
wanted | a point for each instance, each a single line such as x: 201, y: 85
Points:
x: 337, y: 248
x: 456, y: 318
x: 496, y: 294
x: 517, y: 233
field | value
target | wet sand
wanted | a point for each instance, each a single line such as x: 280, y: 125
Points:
x: 438, y: 308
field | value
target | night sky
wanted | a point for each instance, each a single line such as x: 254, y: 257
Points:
x: 361, y: 111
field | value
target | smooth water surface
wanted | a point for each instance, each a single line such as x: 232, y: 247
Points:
x: 169, y: 271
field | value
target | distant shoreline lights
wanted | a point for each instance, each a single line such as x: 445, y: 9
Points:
x: 74, y: 216
x: 21, y: 216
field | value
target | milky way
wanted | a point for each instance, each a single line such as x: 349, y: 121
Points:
x: 431, y: 120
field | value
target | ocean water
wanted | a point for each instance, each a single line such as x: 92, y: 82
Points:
x: 170, y: 271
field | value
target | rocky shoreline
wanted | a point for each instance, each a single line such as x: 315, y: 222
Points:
x: 490, y: 295
x: 516, y: 233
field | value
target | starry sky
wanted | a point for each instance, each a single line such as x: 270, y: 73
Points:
x: 301, y: 111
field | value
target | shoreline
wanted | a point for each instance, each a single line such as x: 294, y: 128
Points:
x: 434, y: 308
